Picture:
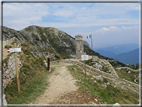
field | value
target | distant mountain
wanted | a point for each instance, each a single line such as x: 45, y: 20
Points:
x: 131, y: 57
x: 117, y: 49
x: 106, y: 53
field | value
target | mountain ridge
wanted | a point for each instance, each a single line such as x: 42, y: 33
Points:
x: 131, y: 57
x: 47, y: 40
x: 121, y: 48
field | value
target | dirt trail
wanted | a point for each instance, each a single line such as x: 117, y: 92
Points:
x: 60, y: 83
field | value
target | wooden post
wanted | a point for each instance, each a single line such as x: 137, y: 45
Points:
x: 85, y: 68
x: 48, y: 63
x: 17, y: 73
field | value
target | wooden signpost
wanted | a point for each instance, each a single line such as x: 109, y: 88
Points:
x: 16, y: 64
x: 84, y: 57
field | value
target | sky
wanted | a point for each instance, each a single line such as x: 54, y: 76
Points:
x: 109, y: 23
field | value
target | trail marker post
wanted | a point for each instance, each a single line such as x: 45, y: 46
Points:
x: 16, y: 64
x: 84, y: 57
x: 48, y: 60
x: 17, y: 74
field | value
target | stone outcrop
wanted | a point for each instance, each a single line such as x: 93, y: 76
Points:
x: 9, y: 71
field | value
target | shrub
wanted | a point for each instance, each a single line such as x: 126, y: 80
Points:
x: 105, y: 80
x: 8, y: 46
x: 56, y: 56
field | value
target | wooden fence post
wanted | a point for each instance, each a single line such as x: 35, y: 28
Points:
x: 48, y: 63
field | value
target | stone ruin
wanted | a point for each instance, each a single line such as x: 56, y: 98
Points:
x: 79, y: 46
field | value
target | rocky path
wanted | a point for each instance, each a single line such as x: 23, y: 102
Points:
x: 111, y: 67
x: 60, y: 83
x: 138, y: 70
x: 62, y: 89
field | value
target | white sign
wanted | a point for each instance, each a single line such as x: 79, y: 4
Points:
x: 14, y: 50
x: 84, y: 57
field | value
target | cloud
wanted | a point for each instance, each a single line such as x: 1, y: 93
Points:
x: 64, y: 13
x: 68, y: 14
x: 21, y: 14
x: 113, y: 35
x: 104, y: 29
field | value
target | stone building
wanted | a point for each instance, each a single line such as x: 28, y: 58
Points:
x: 79, y: 46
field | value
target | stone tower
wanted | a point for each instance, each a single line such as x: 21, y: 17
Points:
x: 79, y: 46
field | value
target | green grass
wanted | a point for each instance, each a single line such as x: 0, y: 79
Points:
x: 33, y: 80
x: 128, y: 76
x: 7, y: 46
x: 110, y: 94
x: 30, y: 90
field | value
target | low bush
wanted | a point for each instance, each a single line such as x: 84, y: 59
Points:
x: 8, y: 46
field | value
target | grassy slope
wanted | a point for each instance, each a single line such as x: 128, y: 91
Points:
x: 128, y: 76
x: 110, y: 94
x: 33, y: 80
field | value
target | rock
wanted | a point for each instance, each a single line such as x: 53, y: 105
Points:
x: 105, y: 85
x: 94, y: 77
x: 99, y: 78
x: 116, y: 105
x: 114, y: 86
x: 95, y: 81
x: 108, y: 83
x: 4, y: 64
x: 129, y: 71
x: 45, y: 64
x: 4, y: 100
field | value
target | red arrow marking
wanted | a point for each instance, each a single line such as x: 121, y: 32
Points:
x: 21, y: 49
x: 8, y: 50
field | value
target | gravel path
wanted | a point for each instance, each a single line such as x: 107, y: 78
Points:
x: 138, y: 70
x: 60, y: 83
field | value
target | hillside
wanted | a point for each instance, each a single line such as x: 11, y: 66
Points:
x: 49, y: 41
x: 45, y: 37
x: 38, y: 43
x: 42, y: 38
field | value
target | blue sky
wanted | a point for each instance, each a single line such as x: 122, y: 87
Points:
x: 109, y: 23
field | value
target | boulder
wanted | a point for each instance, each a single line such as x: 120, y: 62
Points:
x: 95, y: 81
x: 99, y: 78
x: 108, y: 83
